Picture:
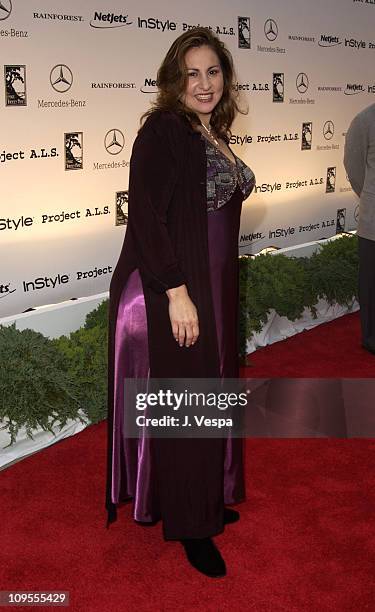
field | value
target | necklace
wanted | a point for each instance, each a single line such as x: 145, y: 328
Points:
x: 209, y: 132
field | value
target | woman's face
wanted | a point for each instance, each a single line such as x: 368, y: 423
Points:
x: 205, y: 81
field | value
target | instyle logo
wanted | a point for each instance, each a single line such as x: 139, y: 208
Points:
x: 244, y: 33
x: 5, y: 9
x: 5, y: 290
x: 15, y: 224
x: 271, y: 30
x: 354, y: 43
x: 235, y: 139
x: 267, y: 187
x: 109, y: 20
x: 327, y: 40
x: 61, y: 78
x: 45, y: 282
x: 15, y: 85
x: 281, y: 232
x: 151, y: 23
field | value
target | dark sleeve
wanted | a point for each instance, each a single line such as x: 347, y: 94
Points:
x: 152, y: 180
x: 355, y: 156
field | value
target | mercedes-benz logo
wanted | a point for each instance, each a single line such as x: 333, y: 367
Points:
x: 5, y: 9
x: 61, y: 78
x: 302, y: 82
x: 271, y: 30
x: 114, y: 142
x: 328, y: 130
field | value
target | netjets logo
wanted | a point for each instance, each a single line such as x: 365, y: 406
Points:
x: 114, y: 142
x: 109, y: 20
x: 5, y: 9
x: 302, y: 83
x: 306, y: 139
x: 244, y: 33
x: 73, y: 146
x: 15, y: 85
x: 326, y: 40
x: 149, y: 86
x: 61, y: 78
x: 122, y: 207
x: 331, y: 180
x: 353, y: 88
x: 328, y: 130
x: 278, y: 87
x: 5, y: 291
x: 271, y: 30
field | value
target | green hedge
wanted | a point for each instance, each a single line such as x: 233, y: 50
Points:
x: 45, y: 382
x: 290, y: 284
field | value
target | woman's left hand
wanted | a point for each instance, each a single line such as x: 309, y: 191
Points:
x: 183, y: 316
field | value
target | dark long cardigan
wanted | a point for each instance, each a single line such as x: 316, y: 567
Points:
x: 166, y: 239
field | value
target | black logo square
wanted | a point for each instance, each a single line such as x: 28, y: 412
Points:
x: 73, y: 146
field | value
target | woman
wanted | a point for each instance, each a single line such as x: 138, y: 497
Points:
x: 174, y: 296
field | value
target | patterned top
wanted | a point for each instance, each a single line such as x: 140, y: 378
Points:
x: 223, y: 176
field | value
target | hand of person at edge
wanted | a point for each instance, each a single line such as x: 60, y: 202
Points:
x: 183, y: 316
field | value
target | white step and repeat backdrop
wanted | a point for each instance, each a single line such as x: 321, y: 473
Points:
x: 78, y: 74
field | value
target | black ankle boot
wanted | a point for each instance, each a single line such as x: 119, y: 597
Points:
x: 231, y: 516
x: 204, y: 556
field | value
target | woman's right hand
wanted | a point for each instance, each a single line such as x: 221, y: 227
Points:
x: 183, y: 316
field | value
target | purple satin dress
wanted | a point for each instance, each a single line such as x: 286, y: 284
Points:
x: 133, y: 469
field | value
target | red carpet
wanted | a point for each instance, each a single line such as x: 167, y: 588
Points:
x: 305, y: 541
x: 330, y: 350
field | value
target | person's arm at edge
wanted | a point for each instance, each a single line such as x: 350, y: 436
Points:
x: 356, y: 144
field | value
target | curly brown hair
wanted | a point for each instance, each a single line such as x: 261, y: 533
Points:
x: 172, y: 80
